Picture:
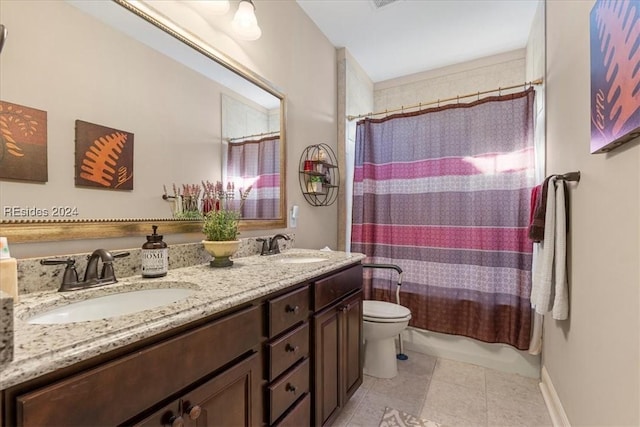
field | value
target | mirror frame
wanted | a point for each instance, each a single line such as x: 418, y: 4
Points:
x: 24, y: 231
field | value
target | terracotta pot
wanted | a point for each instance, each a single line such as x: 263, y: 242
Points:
x: 221, y: 251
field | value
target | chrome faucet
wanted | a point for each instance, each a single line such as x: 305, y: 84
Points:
x: 91, y: 272
x: 70, y: 280
x: 270, y: 245
x: 273, y: 245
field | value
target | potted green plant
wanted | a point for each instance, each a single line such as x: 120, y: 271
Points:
x: 220, y: 226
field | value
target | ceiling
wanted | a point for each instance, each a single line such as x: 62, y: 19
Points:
x: 404, y: 37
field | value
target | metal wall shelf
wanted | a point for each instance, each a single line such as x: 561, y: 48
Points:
x: 319, y: 175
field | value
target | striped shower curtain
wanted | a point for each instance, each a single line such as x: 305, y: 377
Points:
x: 445, y: 193
x: 256, y: 162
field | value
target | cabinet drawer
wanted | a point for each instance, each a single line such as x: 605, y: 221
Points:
x: 112, y: 393
x: 300, y: 414
x: 334, y: 287
x: 287, y: 310
x: 287, y: 390
x: 287, y: 350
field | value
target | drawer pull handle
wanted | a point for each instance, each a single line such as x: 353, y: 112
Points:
x: 295, y: 309
x: 290, y: 387
x: 194, y: 412
x: 291, y: 349
x: 177, y: 421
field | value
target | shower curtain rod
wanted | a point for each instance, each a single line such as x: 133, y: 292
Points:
x: 459, y: 97
x: 275, y: 132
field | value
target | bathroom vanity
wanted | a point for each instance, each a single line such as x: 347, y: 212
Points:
x: 270, y: 341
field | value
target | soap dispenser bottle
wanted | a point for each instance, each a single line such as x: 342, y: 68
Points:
x: 155, y: 256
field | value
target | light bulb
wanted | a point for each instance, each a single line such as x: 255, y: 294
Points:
x: 245, y: 23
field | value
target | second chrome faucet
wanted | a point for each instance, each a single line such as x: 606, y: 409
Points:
x: 270, y: 244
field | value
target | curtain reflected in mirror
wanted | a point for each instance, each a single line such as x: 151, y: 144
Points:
x: 252, y: 154
x: 255, y: 163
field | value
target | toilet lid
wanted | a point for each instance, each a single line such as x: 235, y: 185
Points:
x: 384, y: 310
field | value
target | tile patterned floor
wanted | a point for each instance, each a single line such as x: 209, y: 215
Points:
x: 448, y: 392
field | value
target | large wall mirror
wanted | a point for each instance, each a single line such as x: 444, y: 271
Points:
x: 126, y: 66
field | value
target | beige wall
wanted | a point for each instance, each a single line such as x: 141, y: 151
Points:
x: 593, y: 358
x: 296, y: 57
x: 486, y: 73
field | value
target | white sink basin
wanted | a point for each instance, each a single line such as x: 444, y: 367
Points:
x: 111, y: 306
x: 301, y: 259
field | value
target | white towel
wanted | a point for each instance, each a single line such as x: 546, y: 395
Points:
x: 561, y: 300
x: 549, y: 290
x: 543, y: 263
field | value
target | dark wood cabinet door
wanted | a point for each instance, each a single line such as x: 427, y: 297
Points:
x: 326, y: 364
x: 353, y: 346
x: 338, y: 356
x: 232, y: 398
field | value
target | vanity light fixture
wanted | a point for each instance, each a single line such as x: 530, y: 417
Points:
x: 245, y: 23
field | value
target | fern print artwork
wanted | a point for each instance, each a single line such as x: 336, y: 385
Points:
x: 104, y: 157
x: 23, y: 143
x: 615, y: 73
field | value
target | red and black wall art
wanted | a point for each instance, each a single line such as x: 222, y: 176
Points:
x: 23, y: 143
x: 615, y: 73
x: 104, y: 157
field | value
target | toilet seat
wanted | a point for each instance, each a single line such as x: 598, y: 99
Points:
x: 384, y: 312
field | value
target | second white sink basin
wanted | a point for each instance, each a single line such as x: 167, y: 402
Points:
x: 111, y: 306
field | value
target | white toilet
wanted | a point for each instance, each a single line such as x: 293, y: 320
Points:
x: 382, y: 322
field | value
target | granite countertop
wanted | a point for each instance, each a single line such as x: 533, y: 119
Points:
x: 40, y: 349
